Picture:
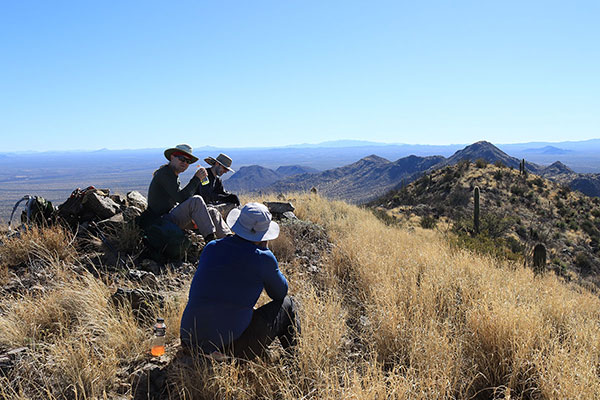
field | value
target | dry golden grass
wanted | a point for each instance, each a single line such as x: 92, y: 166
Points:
x: 49, y: 243
x: 392, y: 313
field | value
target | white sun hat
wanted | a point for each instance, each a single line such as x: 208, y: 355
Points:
x: 253, y: 222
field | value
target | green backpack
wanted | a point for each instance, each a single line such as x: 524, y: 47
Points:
x: 38, y: 211
x: 167, y: 240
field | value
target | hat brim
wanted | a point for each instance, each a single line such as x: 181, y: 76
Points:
x: 170, y: 151
x: 269, y: 234
x: 212, y: 161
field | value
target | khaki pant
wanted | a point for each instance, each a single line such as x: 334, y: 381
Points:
x: 207, y: 219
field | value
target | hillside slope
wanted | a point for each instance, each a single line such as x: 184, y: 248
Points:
x: 521, y: 209
x: 386, y: 313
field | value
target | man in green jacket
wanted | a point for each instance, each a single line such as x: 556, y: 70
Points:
x: 168, y: 200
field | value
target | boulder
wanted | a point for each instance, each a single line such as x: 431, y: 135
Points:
x: 151, y: 266
x: 136, y: 199
x: 131, y: 213
x: 103, y: 207
x: 119, y: 199
x: 149, y: 382
x: 111, y: 223
x: 140, y: 300
x: 279, y: 207
x: 146, y: 278
x: 8, y: 359
x: 289, y: 215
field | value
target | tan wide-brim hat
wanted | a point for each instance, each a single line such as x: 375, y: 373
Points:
x: 222, y: 159
x: 182, y: 148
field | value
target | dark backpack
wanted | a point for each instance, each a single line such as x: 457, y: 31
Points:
x: 166, y: 240
x: 71, y: 211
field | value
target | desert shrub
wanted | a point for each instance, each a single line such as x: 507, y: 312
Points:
x: 448, y: 175
x: 403, y: 196
x: 538, y: 181
x: 384, y: 217
x: 481, y: 163
x: 498, y: 174
x: 499, y: 164
x: 533, y: 233
x: 483, y: 244
x: 588, y: 227
x: 459, y: 197
x: 573, y: 225
x: 530, y: 195
x: 495, y: 225
x: 464, y: 165
x: 491, y: 224
x: 521, y: 231
x: 564, y: 190
x: 517, y: 190
x: 583, y: 261
x: 428, y: 222
x: 514, y: 245
x: 596, y: 213
x: 422, y: 184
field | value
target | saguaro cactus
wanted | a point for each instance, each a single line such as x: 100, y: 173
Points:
x: 476, y: 209
x: 539, y: 258
x: 522, y: 169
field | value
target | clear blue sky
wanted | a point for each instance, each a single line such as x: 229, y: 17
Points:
x: 136, y: 74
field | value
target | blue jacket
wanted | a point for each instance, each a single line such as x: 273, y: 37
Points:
x: 231, y: 275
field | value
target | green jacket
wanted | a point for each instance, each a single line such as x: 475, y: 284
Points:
x: 164, y: 192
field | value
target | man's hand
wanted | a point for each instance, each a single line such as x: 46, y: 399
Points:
x: 201, y: 173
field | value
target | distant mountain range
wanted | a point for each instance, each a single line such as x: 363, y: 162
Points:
x: 55, y: 174
x: 372, y: 176
x: 255, y: 177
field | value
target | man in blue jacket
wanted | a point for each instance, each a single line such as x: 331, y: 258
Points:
x: 232, y: 273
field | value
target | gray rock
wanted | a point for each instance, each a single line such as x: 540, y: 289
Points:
x: 119, y: 199
x: 151, y: 266
x: 131, y: 213
x: 140, y: 300
x: 279, y: 207
x: 289, y: 215
x: 8, y: 359
x: 136, y: 199
x: 146, y: 278
x: 15, y: 353
x: 111, y: 223
x: 149, y: 382
x: 103, y: 207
